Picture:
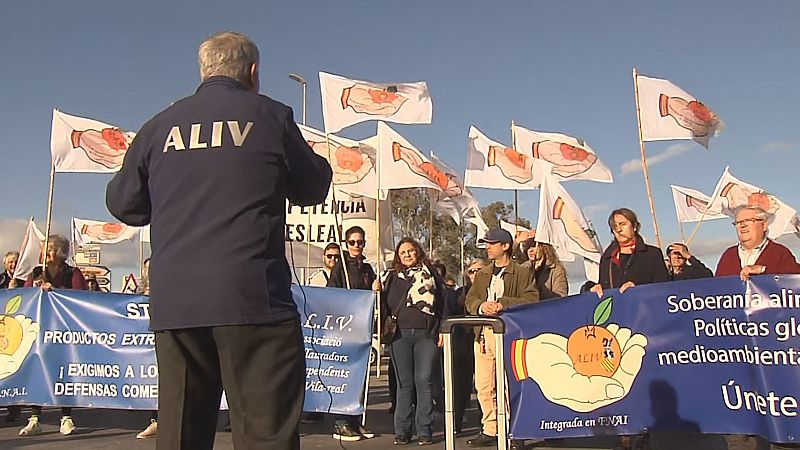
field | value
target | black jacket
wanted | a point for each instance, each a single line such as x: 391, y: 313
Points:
x: 690, y: 272
x: 646, y: 265
x: 212, y: 174
x: 359, y: 273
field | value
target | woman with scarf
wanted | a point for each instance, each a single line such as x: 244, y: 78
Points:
x: 414, y: 294
x: 628, y: 261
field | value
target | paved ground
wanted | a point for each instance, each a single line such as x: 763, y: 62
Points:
x: 116, y: 429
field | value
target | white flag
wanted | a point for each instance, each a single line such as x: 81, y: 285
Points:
x: 563, y: 254
x: 793, y: 227
x: 145, y: 233
x: 473, y: 216
x: 562, y: 223
x: 668, y: 112
x: 353, y: 163
x: 495, y: 166
x: 96, y: 232
x: 78, y: 144
x: 692, y: 205
x: 572, y: 158
x: 30, y: 252
x: 403, y: 166
x: 347, y: 102
x: 732, y: 193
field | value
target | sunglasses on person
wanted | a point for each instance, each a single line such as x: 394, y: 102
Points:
x: 332, y: 256
x: 356, y: 243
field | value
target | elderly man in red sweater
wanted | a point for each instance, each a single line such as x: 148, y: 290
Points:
x: 755, y: 254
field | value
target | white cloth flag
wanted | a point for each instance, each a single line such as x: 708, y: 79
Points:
x: 493, y: 165
x: 353, y: 163
x: 562, y: 223
x: 564, y: 255
x: 473, y: 216
x: 30, y: 251
x: 572, y: 158
x: 78, y: 144
x: 732, y: 193
x: 692, y: 205
x: 668, y: 112
x: 145, y: 233
x: 403, y: 166
x: 347, y: 102
x: 96, y: 232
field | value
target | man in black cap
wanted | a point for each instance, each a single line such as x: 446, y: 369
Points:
x: 498, y: 286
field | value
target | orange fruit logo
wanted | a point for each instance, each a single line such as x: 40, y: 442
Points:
x: 592, y: 348
x: 10, y: 328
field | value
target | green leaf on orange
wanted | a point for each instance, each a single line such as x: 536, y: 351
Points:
x: 13, y: 305
x: 603, y: 311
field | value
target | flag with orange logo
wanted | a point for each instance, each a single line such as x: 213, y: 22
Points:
x: 562, y: 223
x: 493, y: 165
x: 347, y: 102
x: 353, y: 162
x: 668, y: 112
x: 692, y: 205
x: 96, y: 232
x: 403, y: 166
x: 78, y: 144
x: 572, y: 158
x: 731, y: 193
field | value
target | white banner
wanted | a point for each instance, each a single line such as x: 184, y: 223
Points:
x: 347, y: 102
x: 692, y: 205
x: 78, y: 144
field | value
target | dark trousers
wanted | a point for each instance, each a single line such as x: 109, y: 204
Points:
x: 462, y: 376
x: 37, y: 411
x: 415, y: 358
x: 261, y: 367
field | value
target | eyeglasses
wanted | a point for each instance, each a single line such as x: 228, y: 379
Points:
x: 744, y: 222
x: 332, y: 256
x: 473, y: 271
x: 356, y: 243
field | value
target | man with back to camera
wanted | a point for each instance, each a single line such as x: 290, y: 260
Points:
x: 212, y: 174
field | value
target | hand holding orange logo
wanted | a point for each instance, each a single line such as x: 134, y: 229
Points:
x: 595, y: 367
x: 17, y: 335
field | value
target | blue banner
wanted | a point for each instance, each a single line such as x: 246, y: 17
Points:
x: 92, y: 349
x: 713, y: 355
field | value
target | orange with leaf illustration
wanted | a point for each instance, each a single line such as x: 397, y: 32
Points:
x: 10, y: 328
x: 593, y: 349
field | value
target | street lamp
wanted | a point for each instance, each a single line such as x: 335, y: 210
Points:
x: 302, y: 82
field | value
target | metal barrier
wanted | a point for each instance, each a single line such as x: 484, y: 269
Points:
x: 498, y: 327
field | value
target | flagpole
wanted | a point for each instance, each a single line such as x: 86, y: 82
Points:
x: 683, y: 236
x: 461, y: 228
x: 430, y: 221
x: 49, y: 216
x: 379, y: 252
x: 644, y: 158
x: 335, y: 219
x: 516, y: 192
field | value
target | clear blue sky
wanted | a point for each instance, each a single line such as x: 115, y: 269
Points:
x: 560, y: 66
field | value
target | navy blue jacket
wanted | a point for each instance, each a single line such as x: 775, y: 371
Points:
x: 212, y: 174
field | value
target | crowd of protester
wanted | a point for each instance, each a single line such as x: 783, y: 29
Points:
x: 416, y: 295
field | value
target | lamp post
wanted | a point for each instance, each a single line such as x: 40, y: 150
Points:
x: 303, y: 83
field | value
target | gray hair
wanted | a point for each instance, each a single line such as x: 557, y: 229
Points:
x: 60, y: 245
x: 761, y: 213
x: 9, y: 255
x: 228, y: 54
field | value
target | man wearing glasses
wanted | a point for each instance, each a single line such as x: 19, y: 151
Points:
x: 359, y: 276
x: 329, y: 259
x: 683, y: 265
x: 755, y: 254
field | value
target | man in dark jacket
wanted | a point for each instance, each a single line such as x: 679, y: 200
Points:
x: 212, y: 174
x: 359, y: 275
x: 685, y: 266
